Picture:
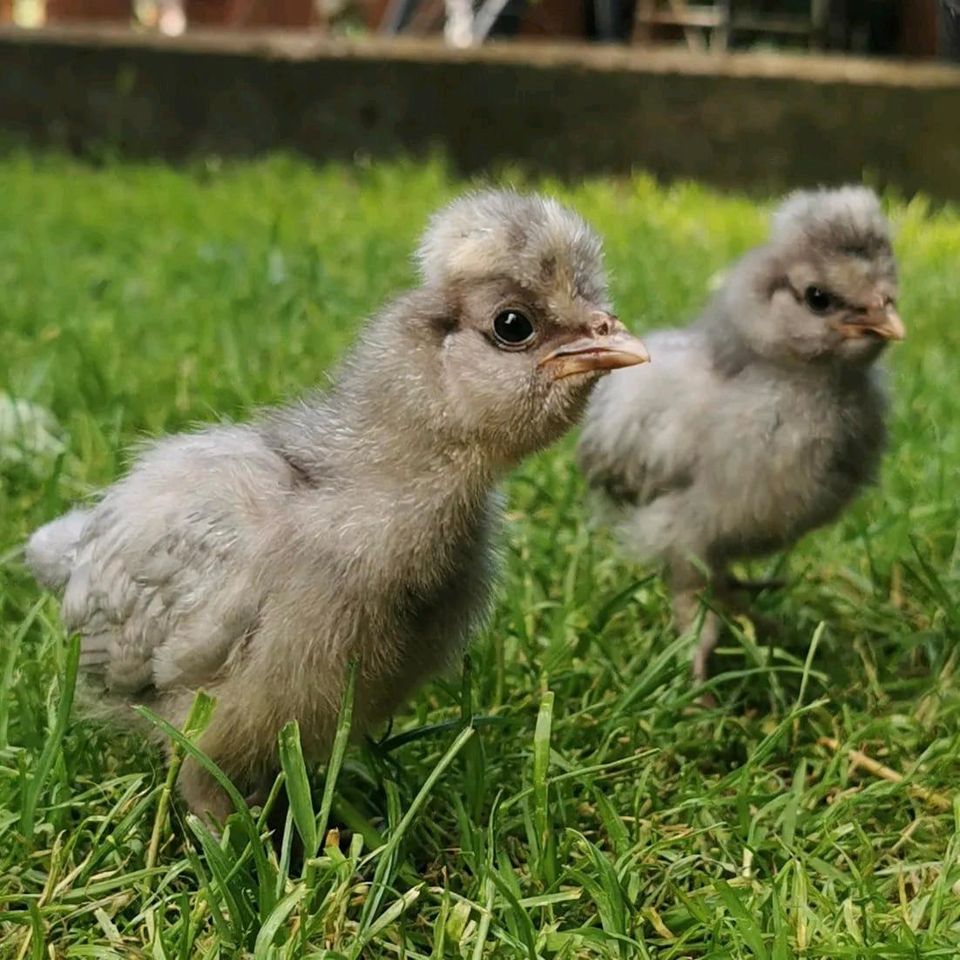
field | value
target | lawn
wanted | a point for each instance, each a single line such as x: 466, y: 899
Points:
x: 592, y: 810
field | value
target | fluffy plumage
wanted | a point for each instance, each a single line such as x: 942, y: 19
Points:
x: 765, y: 417
x: 255, y: 560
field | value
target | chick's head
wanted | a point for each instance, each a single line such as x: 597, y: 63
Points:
x: 826, y: 283
x: 526, y: 327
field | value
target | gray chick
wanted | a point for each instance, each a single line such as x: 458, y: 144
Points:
x: 764, y: 418
x: 256, y: 560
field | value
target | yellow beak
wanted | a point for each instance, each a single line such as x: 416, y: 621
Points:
x: 880, y: 320
x: 600, y: 352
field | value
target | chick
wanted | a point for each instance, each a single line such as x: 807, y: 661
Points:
x: 764, y: 418
x: 256, y: 560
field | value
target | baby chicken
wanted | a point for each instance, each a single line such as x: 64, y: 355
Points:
x: 256, y: 560
x: 763, y: 419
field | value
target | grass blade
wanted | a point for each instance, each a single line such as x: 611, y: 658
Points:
x: 266, y: 885
x: 340, y: 740
x: 9, y: 659
x: 297, y: 783
x: 541, y: 790
x: 278, y: 917
x: 200, y: 712
x: 241, y: 915
x: 51, y: 748
x: 745, y: 924
x: 383, y: 874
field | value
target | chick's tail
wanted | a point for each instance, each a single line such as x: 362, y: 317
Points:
x: 51, y: 551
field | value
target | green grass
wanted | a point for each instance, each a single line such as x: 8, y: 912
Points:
x: 591, y: 811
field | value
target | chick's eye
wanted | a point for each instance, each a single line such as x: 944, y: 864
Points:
x: 819, y: 301
x: 512, y: 328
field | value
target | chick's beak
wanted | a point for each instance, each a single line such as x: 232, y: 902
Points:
x: 608, y: 346
x: 879, y: 320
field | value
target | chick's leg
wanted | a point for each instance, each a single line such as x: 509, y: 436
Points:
x: 240, y: 749
x: 686, y: 609
x: 202, y: 794
x: 687, y: 584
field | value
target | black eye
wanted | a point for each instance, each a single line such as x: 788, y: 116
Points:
x: 512, y: 328
x: 819, y: 301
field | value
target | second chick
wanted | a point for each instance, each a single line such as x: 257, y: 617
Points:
x: 765, y: 417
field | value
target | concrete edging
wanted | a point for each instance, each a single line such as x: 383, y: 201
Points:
x: 761, y: 121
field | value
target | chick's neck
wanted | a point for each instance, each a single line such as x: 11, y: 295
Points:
x: 380, y: 432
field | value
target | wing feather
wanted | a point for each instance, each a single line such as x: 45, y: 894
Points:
x: 164, y: 584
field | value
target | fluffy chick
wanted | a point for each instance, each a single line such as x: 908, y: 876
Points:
x: 764, y: 418
x: 255, y: 560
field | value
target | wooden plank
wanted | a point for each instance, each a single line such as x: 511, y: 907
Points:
x: 692, y: 18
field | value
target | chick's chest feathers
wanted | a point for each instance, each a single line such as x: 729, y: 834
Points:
x: 803, y: 446
x: 729, y: 461
x: 395, y: 583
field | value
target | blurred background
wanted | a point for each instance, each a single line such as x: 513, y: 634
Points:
x: 918, y: 28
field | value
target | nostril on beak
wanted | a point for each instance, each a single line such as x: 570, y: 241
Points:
x: 602, y: 325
